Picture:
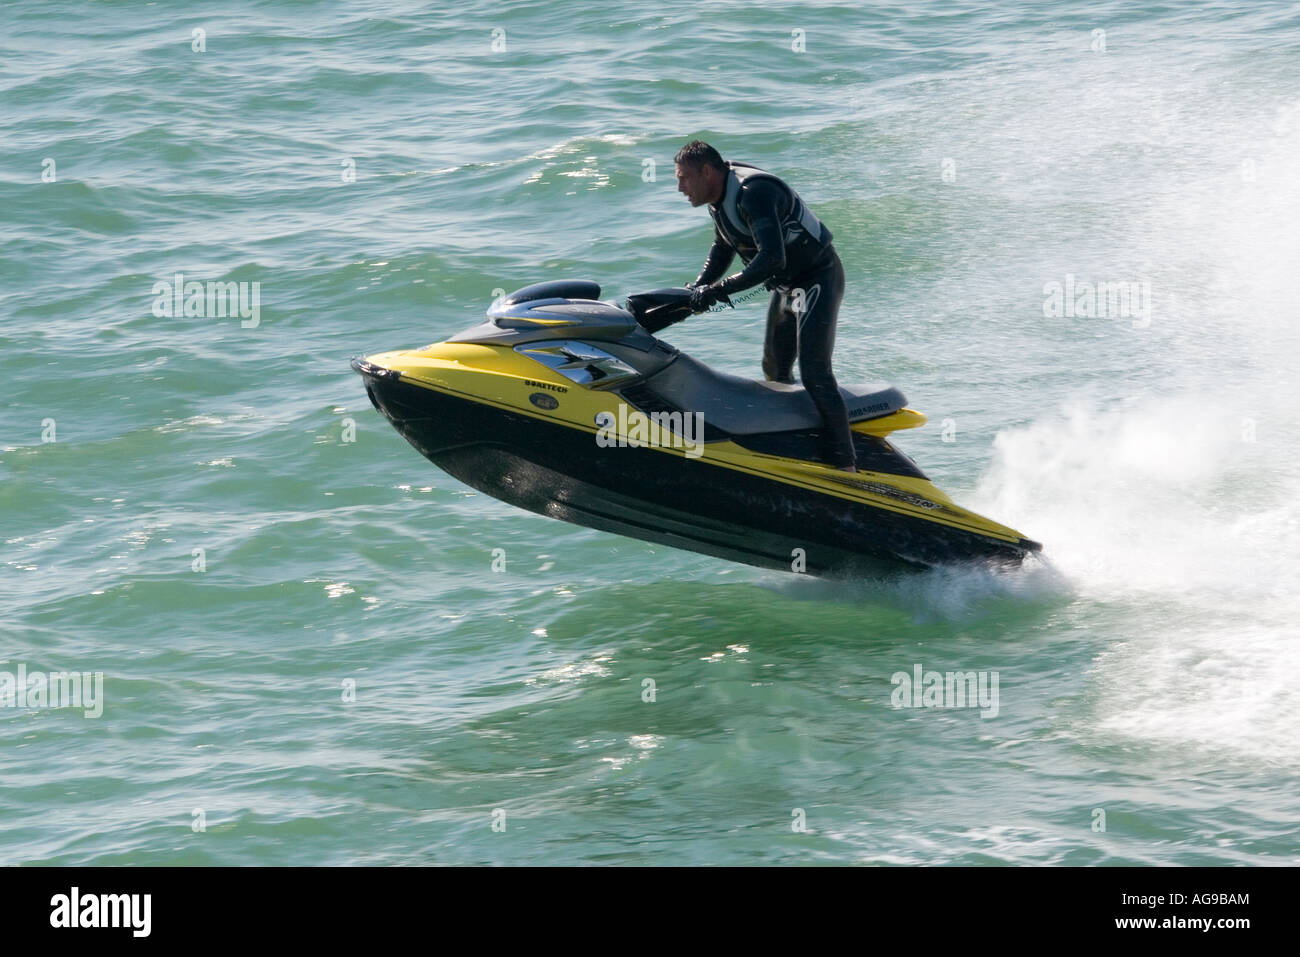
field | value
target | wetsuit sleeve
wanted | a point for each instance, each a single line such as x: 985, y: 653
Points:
x: 760, y: 205
x: 719, y: 258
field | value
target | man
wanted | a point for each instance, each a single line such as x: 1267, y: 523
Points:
x: 788, y: 249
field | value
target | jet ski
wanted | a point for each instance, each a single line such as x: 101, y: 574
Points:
x: 570, y: 406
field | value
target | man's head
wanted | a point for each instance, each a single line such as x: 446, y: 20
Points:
x: 701, y: 173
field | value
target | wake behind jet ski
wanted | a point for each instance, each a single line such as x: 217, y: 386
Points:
x: 569, y: 406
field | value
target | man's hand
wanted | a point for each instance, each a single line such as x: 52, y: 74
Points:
x: 702, y: 297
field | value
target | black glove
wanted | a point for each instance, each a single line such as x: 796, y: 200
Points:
x: 702, y: 297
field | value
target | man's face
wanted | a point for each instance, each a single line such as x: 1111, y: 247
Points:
x: 699, y: 183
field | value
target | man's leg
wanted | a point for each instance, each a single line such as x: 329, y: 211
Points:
x: 821, y: 306
x: 782, y: 340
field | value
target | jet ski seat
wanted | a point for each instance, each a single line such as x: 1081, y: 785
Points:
x: 748, y: 407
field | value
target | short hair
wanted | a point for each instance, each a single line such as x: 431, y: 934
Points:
x: 699, y: 153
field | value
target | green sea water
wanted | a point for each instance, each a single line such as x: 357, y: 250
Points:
x: 307, y: 654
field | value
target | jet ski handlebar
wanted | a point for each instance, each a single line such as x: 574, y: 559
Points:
x: 660, y: 308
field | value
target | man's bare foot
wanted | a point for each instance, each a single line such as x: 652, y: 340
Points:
x: 848, y: 468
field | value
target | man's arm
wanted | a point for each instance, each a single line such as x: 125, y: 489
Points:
x: 760, y: 205
x: 715, y: 264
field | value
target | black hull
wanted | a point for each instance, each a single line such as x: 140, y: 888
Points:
x: 669, y: 499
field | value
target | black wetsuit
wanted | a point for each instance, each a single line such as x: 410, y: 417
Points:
x: 789, y: 250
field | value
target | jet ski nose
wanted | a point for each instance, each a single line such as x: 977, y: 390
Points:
x: 371, y: 373
x: 366, y: 367
x: 384, y: 367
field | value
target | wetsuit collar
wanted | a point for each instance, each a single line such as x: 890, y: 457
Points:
x: 729, y: 185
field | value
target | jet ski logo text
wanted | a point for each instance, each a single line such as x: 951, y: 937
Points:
x: 632, y: 428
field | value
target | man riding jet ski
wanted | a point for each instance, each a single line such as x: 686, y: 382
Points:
x: 788, y: 249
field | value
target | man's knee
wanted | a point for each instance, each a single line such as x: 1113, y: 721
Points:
x: 774, y: 372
